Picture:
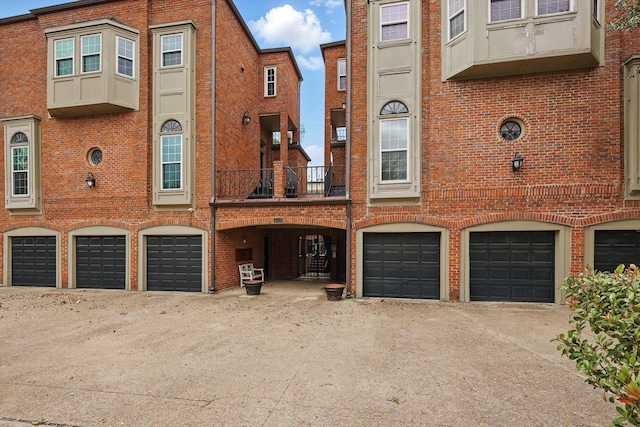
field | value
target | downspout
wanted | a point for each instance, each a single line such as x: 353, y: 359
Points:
x: 212, y: 287
x: 348, y: 147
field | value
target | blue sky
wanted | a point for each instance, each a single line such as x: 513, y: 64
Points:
x: 301, y: 24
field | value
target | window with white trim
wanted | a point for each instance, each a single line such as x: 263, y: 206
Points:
x: 394, y: 142
x: 270, y: 81
x: 22, y: 174
x: 171, y: 50
x: 502, y: 10
x: 546, y: 7
x: 126, y: 56
x: 91, y: 51
x: 596, y: 10
x: 457, y: 18
x: 394, y: 21
x: 342, y: 74
x: 64, y: 57
x: 19, y: 164
x: 171, y: 162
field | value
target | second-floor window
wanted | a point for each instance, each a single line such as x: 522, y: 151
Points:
x: 546, y: 7
x: 64, y: 57
x: 505, y: 9
x: 270, y: 81
x: 394, y: 20
x: 456, y: 18
x: 171, y: 142
x: 342, y: 74
x: 126, y: 49
x: 19, y: 165
x: 394, y: 142
x: 172, y: 50
x: 91, y: 50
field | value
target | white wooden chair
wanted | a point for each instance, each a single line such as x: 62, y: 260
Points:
x: 248, y: 272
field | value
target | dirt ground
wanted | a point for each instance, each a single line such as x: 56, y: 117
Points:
x: 287, y: 357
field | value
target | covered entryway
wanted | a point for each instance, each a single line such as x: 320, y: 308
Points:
x: 615, y: 247
x: 512, y: 266
x: 174, y: 263
x: 101, y: 262
x: 33, y: 261
x: 401, y: 265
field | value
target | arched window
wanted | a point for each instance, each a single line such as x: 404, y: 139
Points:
x: 394, y: 107
x: 171, y: 155
x: 20, y: 164
x: 394, y: 142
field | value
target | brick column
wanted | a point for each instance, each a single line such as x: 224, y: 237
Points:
x: 284, y: 138
x: 279, y: 179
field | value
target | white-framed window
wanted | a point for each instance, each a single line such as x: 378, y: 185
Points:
x: 91, y: 51
x: 342, y: 74
x: 547, y: 7
x: 64, y: 57
x: 172, y: 50
x: 270, y: 81
x: 457, y: 18
x: 19, y: 165
x: 596, y: 10
x: 171, y: 155
x: 394, y: 21
x: 501, y: 10
x: 394, y: 149
x: 126, y: 56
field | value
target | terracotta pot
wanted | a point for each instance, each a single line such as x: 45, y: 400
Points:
x: 334, y: 291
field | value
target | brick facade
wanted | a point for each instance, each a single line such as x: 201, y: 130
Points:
x: 229, y: 81
x: 573, y: 146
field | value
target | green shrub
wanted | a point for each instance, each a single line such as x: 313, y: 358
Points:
x: 605, y: 336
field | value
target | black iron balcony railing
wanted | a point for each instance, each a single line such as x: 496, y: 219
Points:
x: 245, y: 183
x: 298, y: 181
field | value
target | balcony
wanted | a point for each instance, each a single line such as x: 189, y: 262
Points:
x: 281, y: 182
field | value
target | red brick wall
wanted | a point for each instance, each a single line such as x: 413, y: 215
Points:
x: 333, y: 99
x: 573, y: 146
x: 122, y: 195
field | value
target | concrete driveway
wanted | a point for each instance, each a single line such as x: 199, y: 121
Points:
x: 287, y: 357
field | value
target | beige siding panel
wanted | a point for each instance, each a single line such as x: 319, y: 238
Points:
x: 393, y: 57
x: 394, y: 84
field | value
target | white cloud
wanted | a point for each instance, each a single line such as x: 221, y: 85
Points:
x: 329, y: 4
x: 285, y: 25
x: 311, y: 63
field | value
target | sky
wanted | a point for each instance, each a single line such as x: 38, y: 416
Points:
x: 302, y: 25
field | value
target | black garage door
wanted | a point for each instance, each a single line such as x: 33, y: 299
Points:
x: 512, y: 266
x: 100, y: 262
x: 33, y: 261
x: 174, y: 263
x: 615, y: 247
x: 402, y: 265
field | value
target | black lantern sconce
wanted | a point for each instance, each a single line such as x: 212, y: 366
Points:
x: 246, y: 118
x: 90, y: 180
x: 517, y: 162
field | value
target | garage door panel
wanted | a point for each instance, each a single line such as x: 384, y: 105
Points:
x: 174, y: 263
x: 615, y: 247
x: 403, y: 265
x: 515, y: 266
x: 101, y: 262
x: 33, y: 261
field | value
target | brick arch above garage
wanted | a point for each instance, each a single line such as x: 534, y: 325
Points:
x: 320, y: 215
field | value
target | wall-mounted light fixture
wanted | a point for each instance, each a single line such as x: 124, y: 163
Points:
x: 90, y: 180
x: 344, y: 104
x: 517, y: 162
x: 244, y: 239
x: 246, y: 118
